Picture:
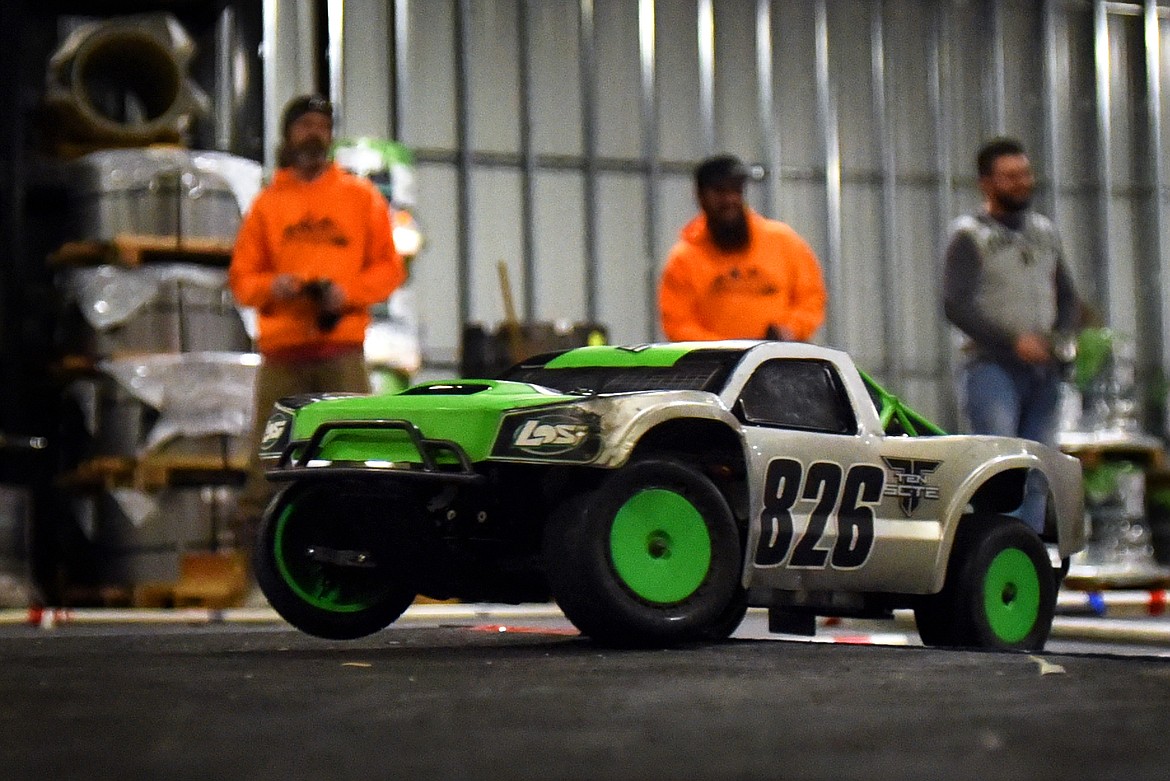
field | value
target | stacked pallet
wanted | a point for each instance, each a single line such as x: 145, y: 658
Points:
x: 161, y: 370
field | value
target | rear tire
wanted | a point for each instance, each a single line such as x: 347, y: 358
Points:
x: 650, y: 557
x: 319, y: 596
x: 1000, y: 590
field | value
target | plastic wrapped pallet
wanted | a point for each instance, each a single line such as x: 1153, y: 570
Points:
x: 113, y: 421
x: 161, y: 191
x: 197, y: 395
x: 160, y: 308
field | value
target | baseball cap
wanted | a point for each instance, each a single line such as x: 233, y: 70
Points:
x: 304, y: 104
x: 720, y: 169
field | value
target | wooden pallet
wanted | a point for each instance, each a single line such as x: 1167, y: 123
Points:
x: 132, y: 250
x: 1075, y: 582
x: 156, y: 594
x: 212, y: 580
x: 1145, y: 451
x: 207, y: 579
x: 1137, y: 574
x: 71, y: 149
x: 155, y: 472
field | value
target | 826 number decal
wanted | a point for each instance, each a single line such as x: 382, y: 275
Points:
x: 860, y: 492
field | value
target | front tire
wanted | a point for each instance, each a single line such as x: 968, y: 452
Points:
x: 324, y: 565
x: 732, y: 616
x: 650, y: 557
x: 1000, y: 590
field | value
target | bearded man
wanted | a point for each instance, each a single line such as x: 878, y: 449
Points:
x: 1006, y: 287
x: 313, y: 253
x: 735, y: 274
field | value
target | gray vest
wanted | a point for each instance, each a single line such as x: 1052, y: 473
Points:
x: 1017, y: 285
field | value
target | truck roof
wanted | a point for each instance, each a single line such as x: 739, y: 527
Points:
x: 704, y: 366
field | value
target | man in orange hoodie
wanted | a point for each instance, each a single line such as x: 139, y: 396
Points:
x: 312, y: 255
x: 737, y: 275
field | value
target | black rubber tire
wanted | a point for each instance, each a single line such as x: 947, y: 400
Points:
x: 934, y: 616
x: 324, y: 599
x: 733, y: 615
x: 990, y: 600
x: 588, y: 585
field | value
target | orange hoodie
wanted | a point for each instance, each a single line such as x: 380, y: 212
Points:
x: 707, y: 293
x: 336, y: 227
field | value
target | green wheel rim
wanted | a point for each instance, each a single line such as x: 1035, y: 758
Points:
x: 312, y: 581
x: 660, y: 546
x: 1011, y: 595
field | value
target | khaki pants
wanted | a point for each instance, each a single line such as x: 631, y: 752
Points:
x: 275, y: 381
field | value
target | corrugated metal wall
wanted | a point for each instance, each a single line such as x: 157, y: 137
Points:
x: 558, y: 136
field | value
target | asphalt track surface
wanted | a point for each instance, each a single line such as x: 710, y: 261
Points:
x: 526, y: 698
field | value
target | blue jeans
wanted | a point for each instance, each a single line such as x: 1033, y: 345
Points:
x: 1014, y: 400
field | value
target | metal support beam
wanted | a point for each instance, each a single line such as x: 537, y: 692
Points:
x: 1134, y: 9
x: 587, y: 45
x: 827, y: 116
x: 1055, y: 94
x: 527, y: 163
x: 994, y: 78
x: 289, y: 67
x: 401, y: 82
x: 706, y: 54
x: 939, y: 70
x: 1152, y: 29
x: 361, y: 70
x: 650, y: 164
x: 1101, y: 61
x: 889, y: 259
x: 770, y: 140
x: 335, y: 53
x: 225, y: 79
x: 463, y: 222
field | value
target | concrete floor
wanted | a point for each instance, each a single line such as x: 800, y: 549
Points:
x: 516, y: 695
